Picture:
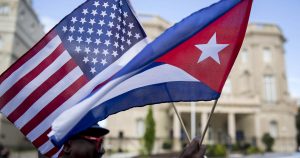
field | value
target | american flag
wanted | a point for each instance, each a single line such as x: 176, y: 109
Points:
x: 80, y: 53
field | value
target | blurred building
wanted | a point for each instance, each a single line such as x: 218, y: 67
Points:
x: 20, y: 29
x: 255, y: 101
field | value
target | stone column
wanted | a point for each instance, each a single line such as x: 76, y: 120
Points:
x: 257, y: 128
x: 176, y: 133
x: 232, y: 127
x: 204, y: 119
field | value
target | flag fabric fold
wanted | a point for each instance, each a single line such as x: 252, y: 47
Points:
x: 189, y: 62
x: 82, y: 52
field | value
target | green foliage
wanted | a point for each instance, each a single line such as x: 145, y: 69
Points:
x: 253, y: 150
x: 217, y: 150
x: 149, y: 136
x: 167, y: 145
x: 236, y: 147
x: 268, y: 141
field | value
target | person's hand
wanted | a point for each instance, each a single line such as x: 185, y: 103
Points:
x: 193, y: 150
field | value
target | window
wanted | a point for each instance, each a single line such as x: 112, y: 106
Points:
x: 4, y: 9
x: 270, y: 88
x: 140, y: 128
x: 245, y: 56
x: 273, y: 129
x: 227, y: 87
x: 267, y: 56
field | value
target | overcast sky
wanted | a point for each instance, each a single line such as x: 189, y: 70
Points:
x: 285, y: 13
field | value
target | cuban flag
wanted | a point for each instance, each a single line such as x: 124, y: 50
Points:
x: 189, y: 62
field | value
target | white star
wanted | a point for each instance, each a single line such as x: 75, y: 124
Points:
x: 65, y: 29
x: 108, y: 33
x: 101, y: 22
x: 96, y: 4
x: 96, y: 51
x: 94, y: 61
x: 103, y: 62
x: 121, y: 3
x: 72, y: 29
x: 129, y: 33
x: 87, y: 50
x: 117, y: 35
x: 114, y: 7
x: 93, y: 70
x: 103, y: 13
x: 83, y: 21
x: 70, y: 38
x: 88, y: 40
x: 111, y: 24
x: 81, y: 30
x: 85, y: 59
x: 112, y: 15
x: 92, y: 21
x: 122, y: 39
x: 128, y: 42
x: 74, y: 19
x: 85, y: 11
x: 90, y: 31
x: 116, y: 44
x: 119, y: 19
x: 107, y: 43
x: 122, y: 48
x: 79, y: 39
x: 77, y: 49
x: 105, y: 52
x: 118, y: 27
x: 125, y: 14
x: 105, y: 5
x: 131, y: 25
x: 99, y: 32
x: 98, y: 41
x: 211, y: 49
x: 124, y: 22
x: 115, y: 53
x: 137, y: 36
x: 94, y: 12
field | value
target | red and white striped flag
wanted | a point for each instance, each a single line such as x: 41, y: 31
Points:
x: 80, y: 53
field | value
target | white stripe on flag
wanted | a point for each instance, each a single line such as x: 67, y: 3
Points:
x: 46, y: 147
x: 35, y: 83
x: 45, y: 124
x: 49, y: 96
x: 160, y: 74
x: 29, y: 65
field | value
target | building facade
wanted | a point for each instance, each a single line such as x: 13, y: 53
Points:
x: 255, y: 101
x: 20, y: 29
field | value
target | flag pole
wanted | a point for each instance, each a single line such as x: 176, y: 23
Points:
x: 208, y: 122
x: 182, y: 124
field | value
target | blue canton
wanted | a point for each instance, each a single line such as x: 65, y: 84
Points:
x: 98, y: 33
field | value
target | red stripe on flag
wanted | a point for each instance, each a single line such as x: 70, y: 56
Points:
x: 54, y: 104
x: 33, y: 51
x: 42, y: 89
x: 51, y: 152
x: 42, y: 139
x: 17, y: 87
